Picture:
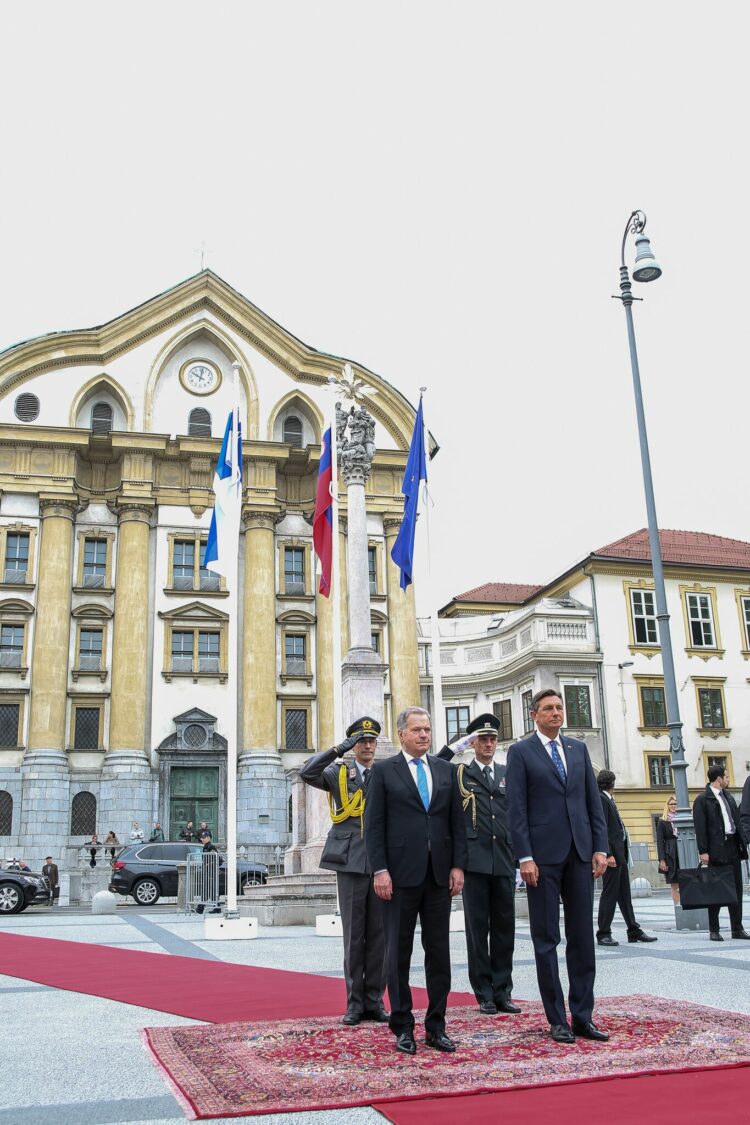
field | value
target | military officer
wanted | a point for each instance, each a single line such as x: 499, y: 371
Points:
x: 344, y: 852
x: 489, y: 879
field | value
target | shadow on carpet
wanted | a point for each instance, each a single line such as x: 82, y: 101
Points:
x: 230, y: 1070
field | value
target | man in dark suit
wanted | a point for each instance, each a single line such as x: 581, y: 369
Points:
x: 560, y: 840
x: 616, y: 881
x: 745, y: 810
x: 52, y: 875
x: 489, y: 879
x: 416, y: 844
x: 344, y: 852
x: 721, y: 843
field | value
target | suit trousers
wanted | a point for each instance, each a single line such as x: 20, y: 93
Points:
x: 572, y: 881
x: 430, y: 903
x: 364, y: 942
x: 489, y: 917
x: 616, y: 892
x: 735, y: 912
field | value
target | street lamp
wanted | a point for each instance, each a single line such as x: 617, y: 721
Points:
x: 648, y: 269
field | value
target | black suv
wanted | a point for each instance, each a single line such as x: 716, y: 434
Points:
x: 148, y: 871
x: 18, y: 889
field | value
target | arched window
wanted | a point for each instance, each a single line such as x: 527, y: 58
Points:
x: 83, y: 814
x: 101, y: 418
x: 199, y: 423
x: 292, y: 431
x: 6, y: 813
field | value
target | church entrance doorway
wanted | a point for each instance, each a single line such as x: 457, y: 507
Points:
x: 193, y: 795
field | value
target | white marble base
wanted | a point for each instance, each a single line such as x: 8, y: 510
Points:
x: 219, y: 928
x: 328, y: 925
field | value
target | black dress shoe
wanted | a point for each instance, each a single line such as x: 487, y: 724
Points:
x: 488, y: 1008
x: 589, y: 1031
x: 561, y: 1033
x: 640, y: 936
x: 508, y: 1006
x: 440, y: 1042
x: 379, y: 1015
x: 406, y: 1043
x: 606, y: 941
x: 715, y: 936
x: 741, y: 934
x: 351, y: 1019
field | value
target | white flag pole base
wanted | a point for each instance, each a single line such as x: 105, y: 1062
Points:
x: 222, y: 927
x: 328, y: 925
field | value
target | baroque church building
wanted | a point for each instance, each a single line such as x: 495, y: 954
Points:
x: 114, y: 662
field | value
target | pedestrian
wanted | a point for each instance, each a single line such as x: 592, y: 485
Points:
x: 111, y: 843
x: 93, y: 845
x: 345, y: 783
x: 666, y: 848
x: 560, y: 839
x: 188, y: 833
x: 416, y: 845
x: 745, y: 809
x: 721, y: 843
x: 136, y: 833
x: 616, y: 880
x: 204, y: 830
x: 210, y: 877
x: 52, y: 875
x: 157, y: 836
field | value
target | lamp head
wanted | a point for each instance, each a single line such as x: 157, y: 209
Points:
x: 646, y: 266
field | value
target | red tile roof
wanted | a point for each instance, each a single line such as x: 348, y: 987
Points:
x: 692, y: 548
x: 513, y: 593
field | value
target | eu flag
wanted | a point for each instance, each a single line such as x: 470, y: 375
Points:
x: 323, y: 516
x: 415, y: 472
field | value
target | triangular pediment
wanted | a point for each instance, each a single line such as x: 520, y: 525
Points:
x: 194, y: 715
x: 194, y: 611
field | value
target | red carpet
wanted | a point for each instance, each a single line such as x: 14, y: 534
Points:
x: 230, y: 1070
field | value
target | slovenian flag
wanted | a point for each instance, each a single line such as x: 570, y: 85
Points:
x: 222, y: 548
x: 323, y: 516
x: 416, y: 471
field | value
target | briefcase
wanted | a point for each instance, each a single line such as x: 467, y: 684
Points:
x: 707, y: 886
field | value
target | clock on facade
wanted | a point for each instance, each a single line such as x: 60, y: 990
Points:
x: 200, y: 377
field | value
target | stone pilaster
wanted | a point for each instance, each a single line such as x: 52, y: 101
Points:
x: 402, y: 633
x: 324, y: 670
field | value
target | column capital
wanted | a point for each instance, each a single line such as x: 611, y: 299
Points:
x: 391, y: 525
x: 264, y: 518
x: 133, y: 512
x: 57, y: 506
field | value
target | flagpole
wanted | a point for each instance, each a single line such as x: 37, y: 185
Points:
x: 232, y: 609
x: 438, y: 711
x: 338, y: 702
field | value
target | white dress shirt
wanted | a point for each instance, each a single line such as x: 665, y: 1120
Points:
x: 728, y: 822
x: 558, y: 742
x: 412, y: 764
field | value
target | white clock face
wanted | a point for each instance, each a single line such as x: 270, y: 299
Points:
x: 201, y: 379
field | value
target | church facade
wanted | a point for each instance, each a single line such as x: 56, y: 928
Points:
x: 114, y: 661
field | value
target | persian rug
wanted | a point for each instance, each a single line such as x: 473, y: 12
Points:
x: 230, y: 1070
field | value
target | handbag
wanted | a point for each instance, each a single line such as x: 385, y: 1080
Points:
x: 707, y: 886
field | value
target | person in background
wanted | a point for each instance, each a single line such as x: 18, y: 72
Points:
x: 111, y: 843
x: 721, y: 843
x: 745, y: 809
x: 157, y: 836
x: 666, y: 848
x: 52, y: 875
x: 136, y: 833
x: 616, y: 880
x: 93, y: 845
x: 204, y: 830
x: 188, y: 833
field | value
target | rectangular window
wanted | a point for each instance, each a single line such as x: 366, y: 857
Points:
x: 653, y: 707
x: 86, y: 735
x: 295, y: 723
x: 294, y: 570
x: 659, y: 771
x: 90, y: 650
x: 457, y: 720
x: 643, y: 606
x: 16, y: 558
x: 208, y: 652
x: 716, y: 760
x: 711, y: 706
x: 372, y: 567
x: 700, y: 621
x: 375, y: 642
x: 10, y: 714
x: 294, y: 651
x: 502, y: 711
x: 11, y: 646
x: 577, y: 706
x: 94, y: 562
x: 746, y: 620
x: 182, y: 651
x: 183, y: 564
x: 528, y: 722
x: 208, y: 580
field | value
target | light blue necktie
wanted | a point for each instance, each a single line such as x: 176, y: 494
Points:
x: 557, y: 760
x: 424, y: 792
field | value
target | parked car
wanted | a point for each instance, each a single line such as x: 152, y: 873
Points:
x: 19, y: 889
x: 149, y: 871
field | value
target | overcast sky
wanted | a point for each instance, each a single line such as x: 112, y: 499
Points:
x: 439, y: 192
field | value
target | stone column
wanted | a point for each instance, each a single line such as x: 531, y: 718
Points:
x: 343, y: 561
x: 324, y: 670
x: 261, y: 782
x: 45, y: 810
x: 402, y: 633
x: 126, y: 792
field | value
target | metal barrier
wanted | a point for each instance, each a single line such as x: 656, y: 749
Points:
x: 202, y: 881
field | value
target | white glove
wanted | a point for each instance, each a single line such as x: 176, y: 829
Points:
x: 463, y: 743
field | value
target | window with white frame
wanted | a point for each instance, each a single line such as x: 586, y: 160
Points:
x: 16, y: 557
x: 578, y: 706
x: 643, y: 607
x: 457, y: 720
x: 528, y: 722
x: 745, y: 603
x: 700, y: 620
x: 295, y: 652
x: 503, y: 711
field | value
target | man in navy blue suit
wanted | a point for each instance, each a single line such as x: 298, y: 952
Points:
x: 560, y: 839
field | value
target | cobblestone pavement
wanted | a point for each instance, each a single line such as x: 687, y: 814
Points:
x: 72, y: 1059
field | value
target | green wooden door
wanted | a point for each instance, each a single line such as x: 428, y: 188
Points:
x: 193, y: 795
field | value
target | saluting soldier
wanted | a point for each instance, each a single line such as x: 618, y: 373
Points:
x: 344, y: 852
x: 489, y: 878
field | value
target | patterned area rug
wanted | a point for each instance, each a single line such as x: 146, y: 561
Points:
x: 228, y: 1070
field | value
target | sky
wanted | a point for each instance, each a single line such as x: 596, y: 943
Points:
x: 439, y: 192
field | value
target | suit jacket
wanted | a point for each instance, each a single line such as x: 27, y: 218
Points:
x: 617, y: 843
x: 344, y: 848
x: 666, y: 848
x: 745, y: 809
x: 490, y: 851
x: 710, y: 834
x: 548, y: 815
x: 401, y: 835
x: 51, y: 872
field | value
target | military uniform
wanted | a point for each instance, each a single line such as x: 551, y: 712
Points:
x: 344, y: 852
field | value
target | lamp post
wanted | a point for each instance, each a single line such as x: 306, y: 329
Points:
x: 647, y: 269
